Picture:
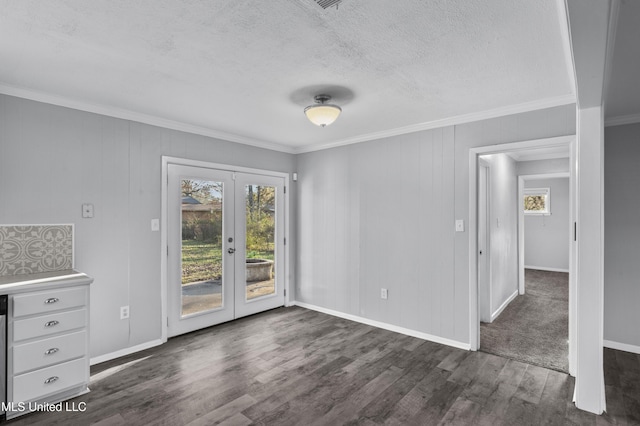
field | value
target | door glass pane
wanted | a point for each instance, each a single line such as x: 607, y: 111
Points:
x: 260, y: 244
x: 201, y: 215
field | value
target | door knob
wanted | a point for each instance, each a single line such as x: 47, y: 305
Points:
x: 231, y: 250
x: 480, y: 251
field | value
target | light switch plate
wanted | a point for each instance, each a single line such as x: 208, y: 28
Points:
x: 155, y: 224
x: 459, y: 225
x: 87, y: 211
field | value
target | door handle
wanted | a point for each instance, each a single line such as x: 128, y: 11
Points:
x: 231, y: 250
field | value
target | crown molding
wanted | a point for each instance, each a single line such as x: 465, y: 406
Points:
x: 125, y: 114
x: 614, y: 13
x: 203, y: 131
x: 451, y: 121
x: 567, y: 46
x: 621, y: 120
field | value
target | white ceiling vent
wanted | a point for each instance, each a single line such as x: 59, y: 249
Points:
x: 328, y: 3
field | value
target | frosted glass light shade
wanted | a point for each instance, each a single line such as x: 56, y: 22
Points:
x: 323, y: 114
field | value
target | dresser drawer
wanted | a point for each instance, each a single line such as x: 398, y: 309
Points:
x: 41, y: 302
x: 45, y: 325
x: 53, y: 350
x: 31, y: 386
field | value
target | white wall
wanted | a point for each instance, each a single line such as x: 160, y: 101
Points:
x: 381, y: 214
x: 53, y: 159
x: 546, y: 237
x: 503, y: 230
x: 622, y: 236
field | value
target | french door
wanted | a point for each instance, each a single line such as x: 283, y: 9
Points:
x: 225, y: 236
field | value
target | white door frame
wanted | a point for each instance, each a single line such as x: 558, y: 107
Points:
x: 485, y: 293
x: 166, y: 160
x: 474, y: 319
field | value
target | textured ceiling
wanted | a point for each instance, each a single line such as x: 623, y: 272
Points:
x: 623, y: 94
x: 248, y: 68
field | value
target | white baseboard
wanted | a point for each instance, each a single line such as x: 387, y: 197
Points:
x: 385, y: 326
x: 125, y: 351
x: 498, y: 311
x: 544, y: 268
x: 622, y: 347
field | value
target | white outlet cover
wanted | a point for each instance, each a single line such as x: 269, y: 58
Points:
x: 87, y: 211
x: 155, y: 224
x: 459, y: 225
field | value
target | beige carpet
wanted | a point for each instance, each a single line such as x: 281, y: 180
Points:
x: 534, y: 328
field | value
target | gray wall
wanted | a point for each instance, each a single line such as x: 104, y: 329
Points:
x: 53, y: 159
x: 537, y: 167
x: 503, y: 229
x: 546, y: 237
x: 371, y: 215
x: 381, y: 214
x: 622, y: 234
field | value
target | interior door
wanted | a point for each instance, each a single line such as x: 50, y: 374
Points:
x: 225, y: 241
x: 200, y: 273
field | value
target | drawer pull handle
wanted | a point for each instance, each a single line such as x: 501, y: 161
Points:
x: 51, y: 323
x: 51, y: 380
x: 51, y: 351
x: 51, y: 300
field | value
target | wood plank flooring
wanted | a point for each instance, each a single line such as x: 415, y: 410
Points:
x: 292, y: 366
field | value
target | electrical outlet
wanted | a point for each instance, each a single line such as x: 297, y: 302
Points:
x: 383, y: 293
x: 124, y: 312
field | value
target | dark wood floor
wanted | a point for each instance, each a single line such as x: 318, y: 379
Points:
x: 292, y: 366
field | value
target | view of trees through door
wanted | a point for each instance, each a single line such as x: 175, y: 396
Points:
x: 202, y: 245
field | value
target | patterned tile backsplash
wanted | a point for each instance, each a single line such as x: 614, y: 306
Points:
x: 31, y: 249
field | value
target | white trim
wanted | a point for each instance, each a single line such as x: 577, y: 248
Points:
x: 621, y: 346
x: 544, y: 268
x: 451, y: 121
x: 621, y: 120
x: 573, y: 261
x: 164, y: 248
x: 521, y: 283
x: 565, y: 34
x: 486, y: 311
x: 546, y: 176
x: 474, y: 313
x: 166, y: 160
x: 614, y: 12
x: 220, y: 166
x: 126, y: 351
x: 502, y: 307
x: 474, y: 153
x: 385, y: 326
x: 152, y: 120
x: 126, y: 114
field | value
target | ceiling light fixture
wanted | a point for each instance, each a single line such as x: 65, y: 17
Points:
x: 322, y: 114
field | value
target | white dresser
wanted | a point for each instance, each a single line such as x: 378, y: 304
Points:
x: 47, y: 339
